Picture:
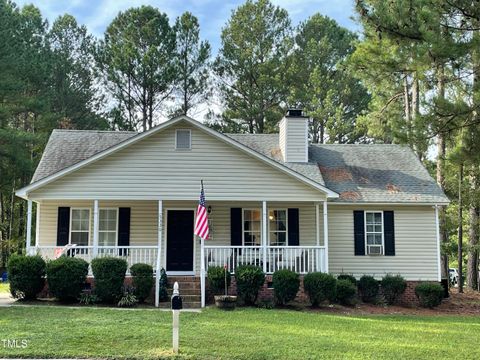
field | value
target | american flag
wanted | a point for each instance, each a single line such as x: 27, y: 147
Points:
x: 201, y: 223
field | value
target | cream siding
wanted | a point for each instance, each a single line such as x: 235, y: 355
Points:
x: 415, y: 244
x: 153, y: 169
x: 293, y: 139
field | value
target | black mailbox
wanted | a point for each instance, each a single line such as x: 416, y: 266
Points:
x: 177, y: 302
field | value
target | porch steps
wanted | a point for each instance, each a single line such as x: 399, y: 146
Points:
x: 189, y: 288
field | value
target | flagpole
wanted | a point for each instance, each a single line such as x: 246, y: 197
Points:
x: 202, y: 265
x: 202, y: 270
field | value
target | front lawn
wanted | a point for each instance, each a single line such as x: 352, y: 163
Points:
x: 242, y: 334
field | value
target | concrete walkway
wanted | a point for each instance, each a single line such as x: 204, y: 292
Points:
x: 6, y: 299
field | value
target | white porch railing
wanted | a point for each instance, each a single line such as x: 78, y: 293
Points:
x: 133, y: 254
x: 301, y: 259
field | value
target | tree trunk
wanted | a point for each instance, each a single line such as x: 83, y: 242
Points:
x: 460, y: 229
x: 472, y: 264
x: 415, y: 112
x: 408, y: 116
x: 441, y: 150
x: 322, y: 132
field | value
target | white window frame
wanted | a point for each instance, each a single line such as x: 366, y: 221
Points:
x: 243, y: 225
x: 369, y: 232
x: 108, y: 231
x: 189, y: 138
x: 89, y: 224
x: 286, y: 227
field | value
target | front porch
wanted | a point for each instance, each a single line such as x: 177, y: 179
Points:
x: 272, y: 235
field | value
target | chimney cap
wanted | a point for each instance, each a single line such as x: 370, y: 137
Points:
x: 293, y: 112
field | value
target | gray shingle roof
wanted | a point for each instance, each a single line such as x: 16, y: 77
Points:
x: 359, y: 173
x: 376, y: 173
x: 68, y: 147
x: 267, y: 144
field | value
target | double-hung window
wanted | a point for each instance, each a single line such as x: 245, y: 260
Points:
x: 80, y: 226
x: 374, y: 232
x: 107, y: 230
x: 278, y: 227
x: 252, y: 227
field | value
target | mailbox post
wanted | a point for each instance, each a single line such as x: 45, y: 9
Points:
x: 176, y: 307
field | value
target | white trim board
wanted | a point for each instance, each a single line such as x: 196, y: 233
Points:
x: 23, y: 192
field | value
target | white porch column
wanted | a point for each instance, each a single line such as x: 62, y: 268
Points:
x: 264, y: 234
x: 28, y: 237
x: 37, y: 228
x: 159, y: 251
x: 437, y: 231
x: 325, y: 233
x: 317, y: 236
x: 95, y: 227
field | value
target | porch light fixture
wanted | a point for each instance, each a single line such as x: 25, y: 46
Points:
x: 209, y: 209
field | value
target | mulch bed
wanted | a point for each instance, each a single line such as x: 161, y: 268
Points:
x: 467, y: 303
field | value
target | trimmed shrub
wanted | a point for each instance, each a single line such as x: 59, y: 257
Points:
x: 162, y: 286
x: 142, y: 280
x: 429, y: 294
x: 109, y: 273
x: 216, y: 279
x: 26, y: 276
x: 66, y: 277
x: 320, y: 287
x: 249, y: 279
x: 368, y: 288
x: 393, y: 286
x: 348, y: 277
x: 285, y: 286
x: 346, y: 292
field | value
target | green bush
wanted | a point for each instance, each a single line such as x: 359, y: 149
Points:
x: 128, y: 298
x: 368, y: 288
x: 87, y: 298
x: 393, y: 286
x: 142, y: 280
x: 346, y: 292
x: 285, y: 286
x: 26, y: 276
x: 216, y: 279
x: 66, y: 277
x: 320, y: 287
x: 162, y: 286
x: 348, y: 277
x: 109, y: 273
x: 249, y: 279
x: 429, y: 294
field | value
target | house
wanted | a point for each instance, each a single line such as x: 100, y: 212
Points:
x: 273, y: 200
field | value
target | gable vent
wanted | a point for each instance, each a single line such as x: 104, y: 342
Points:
x: 183, y: 139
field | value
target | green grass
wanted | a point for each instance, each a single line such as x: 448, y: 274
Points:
x: 241, y: 334
x: 4, y: 288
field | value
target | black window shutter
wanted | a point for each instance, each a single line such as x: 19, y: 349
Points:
x: 389, y: 233
x: 63, y: 226
x: 359, y: 232
x: 236, y: 226
x: 293, y: 227
x: 124, y: 227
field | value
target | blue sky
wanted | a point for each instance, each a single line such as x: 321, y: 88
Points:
x: 212, y: 14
